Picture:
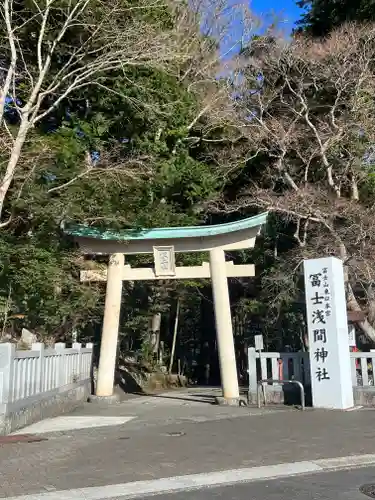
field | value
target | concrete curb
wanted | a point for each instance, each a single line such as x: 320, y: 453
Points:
x: 167, y: 485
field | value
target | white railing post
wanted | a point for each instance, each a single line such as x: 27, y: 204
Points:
x: 364, y: 371
x: 353, y: 363
x: 263, y: 365
x: 252, y: 368
x: 78, y: 364
x: 275, y: 368
x: 37, y: 346
x: 7, y: 354
x: 61, y: 375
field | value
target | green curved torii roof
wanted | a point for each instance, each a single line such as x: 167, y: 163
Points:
x: 162, y: 233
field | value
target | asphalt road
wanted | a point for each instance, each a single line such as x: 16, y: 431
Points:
x: 338, y: 485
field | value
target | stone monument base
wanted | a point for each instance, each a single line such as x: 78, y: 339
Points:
x: 222, y: 401
x: 104, y: 400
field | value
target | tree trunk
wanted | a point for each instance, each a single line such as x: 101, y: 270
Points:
x: 175, y: 330
x: 353, y: 305
x: 12, y: 164
x: 155, y: 332
x: 351, y: 300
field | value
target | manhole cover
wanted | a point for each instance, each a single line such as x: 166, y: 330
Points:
x: 368, y: 489
x: 21, y: 438
x: 175, y: 434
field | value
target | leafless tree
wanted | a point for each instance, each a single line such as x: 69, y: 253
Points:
x: 307, y: 106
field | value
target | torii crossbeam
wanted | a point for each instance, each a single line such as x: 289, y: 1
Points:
x: 181, y: 273
x: 163, y: 243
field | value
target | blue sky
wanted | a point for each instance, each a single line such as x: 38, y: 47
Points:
x: 282, y: 13
x: 284, y: 9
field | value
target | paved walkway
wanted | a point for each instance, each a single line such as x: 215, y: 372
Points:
x: 176, y: 434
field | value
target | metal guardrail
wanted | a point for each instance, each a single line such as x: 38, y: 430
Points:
x: 270, y: 381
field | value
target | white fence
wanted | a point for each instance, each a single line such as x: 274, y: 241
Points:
x: 362, y: 364
x: 26, y: 376
x: 277, y: 366
x: 296, y: 366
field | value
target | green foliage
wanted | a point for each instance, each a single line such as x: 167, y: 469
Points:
x: 43, y: 289
x: 323, y: 16
x: 116, y: 154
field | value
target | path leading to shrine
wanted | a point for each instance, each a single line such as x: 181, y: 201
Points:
x: 179, y: 434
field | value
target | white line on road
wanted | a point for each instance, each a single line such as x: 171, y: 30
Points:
x: 182, y: 483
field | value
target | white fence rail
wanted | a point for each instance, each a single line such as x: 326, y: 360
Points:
x: 278, y: 366
x: 26, y: 375
x: 296, y: 366
x: 362, y: 364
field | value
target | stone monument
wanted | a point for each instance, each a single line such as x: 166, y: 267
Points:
x: 327, y: 321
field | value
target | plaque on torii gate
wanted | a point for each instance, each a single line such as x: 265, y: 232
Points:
x: 163, y: 243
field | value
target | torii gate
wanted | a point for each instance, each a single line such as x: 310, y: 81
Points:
x: 163, y: 243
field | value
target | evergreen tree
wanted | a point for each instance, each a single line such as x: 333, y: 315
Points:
x: 323, y: 16
x: 115, y: 153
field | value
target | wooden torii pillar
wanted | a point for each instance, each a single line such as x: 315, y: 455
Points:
x: 163, y: 243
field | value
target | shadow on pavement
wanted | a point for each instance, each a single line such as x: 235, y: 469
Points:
x: 196, y: 398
